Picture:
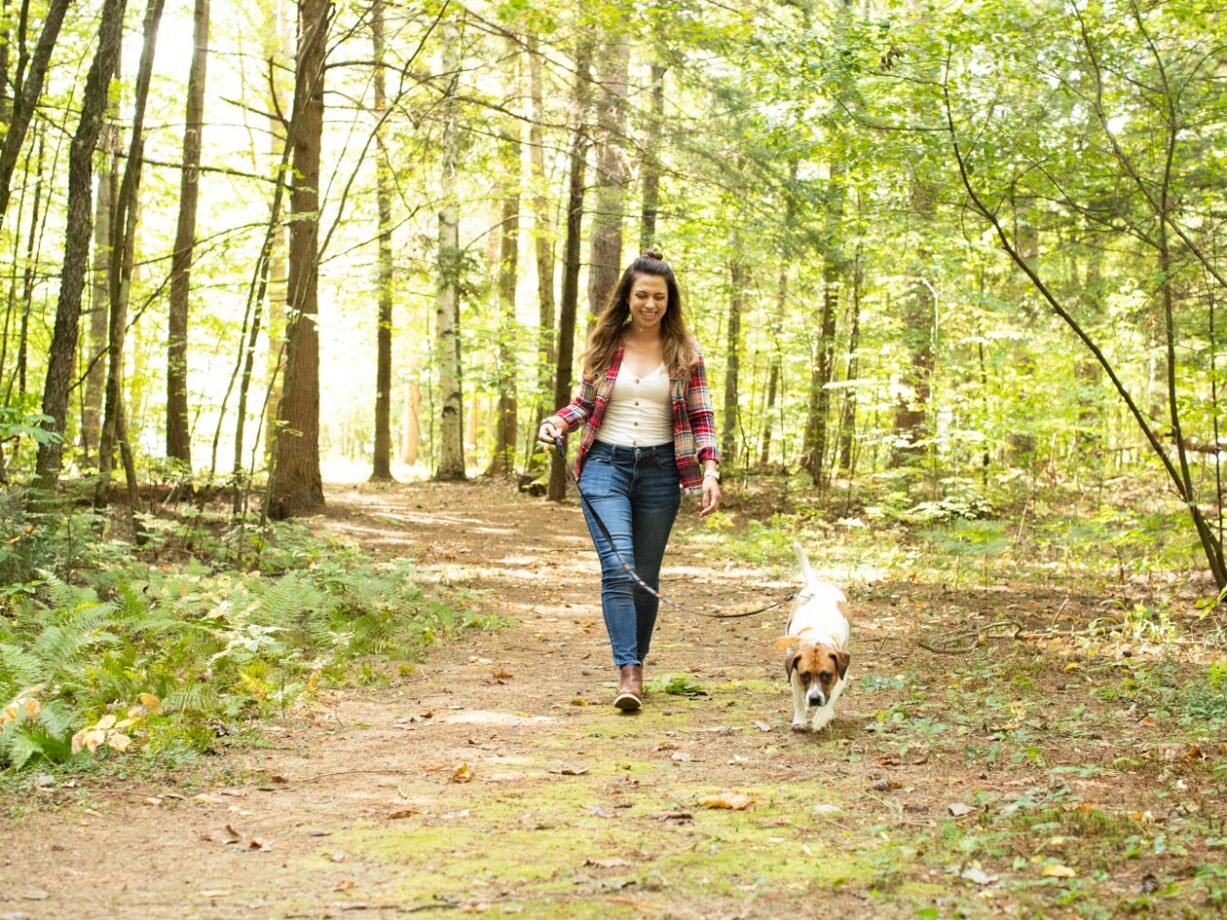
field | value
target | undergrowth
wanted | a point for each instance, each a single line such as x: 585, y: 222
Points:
x: 163, y: 658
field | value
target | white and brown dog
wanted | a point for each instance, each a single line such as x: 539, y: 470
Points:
x: 816, y: 656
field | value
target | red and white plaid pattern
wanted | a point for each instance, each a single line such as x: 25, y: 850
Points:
x: 694, y: 422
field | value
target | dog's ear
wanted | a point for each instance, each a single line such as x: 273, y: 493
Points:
x: 790, y: 664
x: 783, y: 642
x: 841, y: 662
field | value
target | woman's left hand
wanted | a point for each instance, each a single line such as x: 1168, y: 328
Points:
x: 711, y: 496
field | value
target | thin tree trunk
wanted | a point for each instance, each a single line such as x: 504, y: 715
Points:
x: 76, y: 242
x: 569, y: 304
x: 27, y: 89
x: 296, y: 485
x: 730, y: 421
x: 911, y: 412
x: 447, y: 298
x: 381, y: 465
x: 100, y: 289
x: 114, y: 428
x: 651, y: 163
x: 777, y: 360
x: 178, y: 430
x: 503, y: 461
x: 27, y: 281
x: 605, y: 265
x: 543, y: 240
x: 847, y: 419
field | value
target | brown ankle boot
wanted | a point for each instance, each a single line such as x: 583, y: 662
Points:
x: 630, y: 687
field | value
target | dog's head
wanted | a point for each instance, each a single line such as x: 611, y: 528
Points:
x: 818, y: 667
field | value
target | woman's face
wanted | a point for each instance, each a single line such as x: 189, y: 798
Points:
x: 649, y: 300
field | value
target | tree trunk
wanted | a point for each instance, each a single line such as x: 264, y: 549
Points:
x: 27, y: 88
x: 569, y: 305
x: 114, y: 428
x: 178, y: 431
x: 605, y: 265
x: 296, y: 485
x: 100, y: 288
x: 381, y: 462
x: 777, y: 361
x: 447, y: 298
x: 911, y: 412
x: 847, y: 419
x: 503, y: 461
x: 730, y: 423
x: 122, y: 258
x: 76, y: 242
x: 29, y: 274
x: 651, y: 162
x: 543, y: 240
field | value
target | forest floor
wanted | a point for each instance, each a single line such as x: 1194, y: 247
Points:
x: 1035, y: 775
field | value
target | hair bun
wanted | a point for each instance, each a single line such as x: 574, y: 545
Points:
x: 653, y: 252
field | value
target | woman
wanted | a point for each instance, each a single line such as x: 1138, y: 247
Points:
x: 648, y: 428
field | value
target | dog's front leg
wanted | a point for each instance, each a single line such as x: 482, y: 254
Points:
x: 822, y: 716
x: 798, y: 704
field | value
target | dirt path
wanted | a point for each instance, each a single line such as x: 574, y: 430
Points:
x: 496, y: 778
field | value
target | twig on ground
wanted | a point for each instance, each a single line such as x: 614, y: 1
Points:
x: 958, y: 643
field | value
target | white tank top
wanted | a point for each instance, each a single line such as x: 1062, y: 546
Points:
x: 640, y: 410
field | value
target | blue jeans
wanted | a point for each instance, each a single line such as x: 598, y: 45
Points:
x: 636, y: 491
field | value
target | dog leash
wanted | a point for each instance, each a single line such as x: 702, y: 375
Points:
x: 630, y: 570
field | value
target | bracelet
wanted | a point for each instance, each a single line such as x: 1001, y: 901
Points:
x: 715, y: 474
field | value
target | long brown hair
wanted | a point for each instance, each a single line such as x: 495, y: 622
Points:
x: 677, y: 347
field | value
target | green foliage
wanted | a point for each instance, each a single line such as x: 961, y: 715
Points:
x: 215, y: 648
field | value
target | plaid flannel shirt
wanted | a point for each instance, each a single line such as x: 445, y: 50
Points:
x: 694, y: 425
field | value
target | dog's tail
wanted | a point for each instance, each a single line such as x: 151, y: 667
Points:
x: 803, y: 560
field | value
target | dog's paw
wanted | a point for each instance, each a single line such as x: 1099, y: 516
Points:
x: 800, y: 727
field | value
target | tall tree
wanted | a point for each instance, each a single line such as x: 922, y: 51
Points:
x: 449, y: 267
x: 730, y: 424
x: 612, y: 74
x: 63, y: 348
x: 381, y: 462
x: 296, y: 484
x: 178, y: 432
x: 509, y: 236
x: 543, y: 239
x: 114, y: 423
x: 27, y: 88
x: 100, y: 286
x: 569, y: 304
x: 651, y: 161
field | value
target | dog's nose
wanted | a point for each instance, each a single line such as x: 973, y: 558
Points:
x: 817, y: 699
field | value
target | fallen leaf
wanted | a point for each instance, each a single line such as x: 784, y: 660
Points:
x: 346, y: 885
x: 762, y: 726
x: 207, y: 798
x: 958, y: 809
x: 733, y: 801
x: 337, y: 857
x: 255, y: 843
x: 569, y: 771
x: 234, y: 835
x: 823, y: 809
x: 501, y: 674
x: 462, y: 773
x: 884, y: 785
x: 214, y: 893
x: 680, y: 757
x: 35, y: 894
x: 152, y: 704
x: 1056, y: 870
x: 402, y: 813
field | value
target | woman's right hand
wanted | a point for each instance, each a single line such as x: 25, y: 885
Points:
x: 549, y: 432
